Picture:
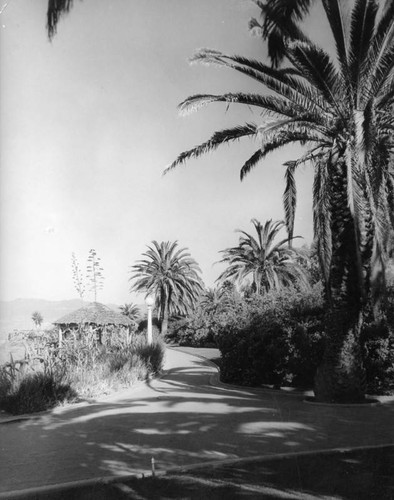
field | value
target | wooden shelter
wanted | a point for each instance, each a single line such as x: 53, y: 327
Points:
x: 94, y: 315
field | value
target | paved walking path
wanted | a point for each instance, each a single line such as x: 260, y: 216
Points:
x: 180, y: 419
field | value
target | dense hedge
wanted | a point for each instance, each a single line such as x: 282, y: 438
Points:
x: 276, y: 339
x: 279, y: 340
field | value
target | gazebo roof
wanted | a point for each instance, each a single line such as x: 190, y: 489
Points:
x: 94, y: 313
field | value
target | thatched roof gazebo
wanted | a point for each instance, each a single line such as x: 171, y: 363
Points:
x: 92, y: 315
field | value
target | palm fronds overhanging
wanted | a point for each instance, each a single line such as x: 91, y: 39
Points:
x: 171, y: 275
x: 56, y: 9
x: 341, y: 110
x: 268, y: 264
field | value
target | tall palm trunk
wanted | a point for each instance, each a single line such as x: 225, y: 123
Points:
x: 341, y: 377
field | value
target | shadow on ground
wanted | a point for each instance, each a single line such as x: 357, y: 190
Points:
x: 178, y: 420
x: 361, y: 475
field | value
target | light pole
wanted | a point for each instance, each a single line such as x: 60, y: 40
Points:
x: 149, y: 302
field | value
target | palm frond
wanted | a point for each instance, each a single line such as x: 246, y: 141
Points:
x: 316, y: 66
x: 290, y: 198
x: 282, y: 82
x: 217, y: 139
x: 362, y: 28
x: 280, y: 22
x: 270, y: 104
x: 338, y: 29
x: 56, y: 9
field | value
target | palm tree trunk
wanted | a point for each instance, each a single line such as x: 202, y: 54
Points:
x: 341, y: 377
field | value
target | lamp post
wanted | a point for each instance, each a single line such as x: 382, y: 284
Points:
x: 149, y: 302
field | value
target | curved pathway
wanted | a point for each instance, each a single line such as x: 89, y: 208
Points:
x: 180, y: 419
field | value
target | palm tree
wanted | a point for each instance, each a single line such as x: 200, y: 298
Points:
x: 37, y: 319
x: 342, y: 111
x: 279, y: 21
x: 270, y: 265
x: 171, y: 275
x: 131, y: 310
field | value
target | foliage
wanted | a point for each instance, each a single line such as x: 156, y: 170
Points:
x: 341, y: 110
x: 94, y: 273
x: 82, y: 368
x: 279, y: 340
x: 196, y: 330
x: 37, y: 318
x: 199, y: 327
x: 270, y: 265
x: 131, y: 310
x: 378, y: 348
x: 275, y: 339
x: 56, y: 9
x: 143, y: 328
x: 171, y: 275
x: 23, y: 390
x: 279, y: 22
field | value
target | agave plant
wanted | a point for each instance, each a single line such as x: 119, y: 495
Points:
x: 341, y: 110
x: 171, y: 275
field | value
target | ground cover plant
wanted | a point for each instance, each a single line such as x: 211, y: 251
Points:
x: 82, y: 368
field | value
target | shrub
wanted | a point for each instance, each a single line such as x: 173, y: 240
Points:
x: 197, y: 330
x: 29, y: 392
x: 152, y: 355
x: 279, y: 339
x: 378, y: 353
x: 81, y: 368
x: 274, y: 339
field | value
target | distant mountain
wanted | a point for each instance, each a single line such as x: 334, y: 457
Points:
x: 16, y: 314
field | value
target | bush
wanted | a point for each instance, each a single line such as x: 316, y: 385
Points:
x: 197, y: 330
x: 278, y: 339
x: 103, y: 370
x: 152, y: 355
x: 80, y: 369
x: 29, y: 392
x: 378, y: 353
x: 275, y: 339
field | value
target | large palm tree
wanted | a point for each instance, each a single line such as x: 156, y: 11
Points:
x: 270, y: 264
x: 342, y: 110
x: 171, y: 275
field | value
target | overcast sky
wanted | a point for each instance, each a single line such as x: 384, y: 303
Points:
x: 90, y: 121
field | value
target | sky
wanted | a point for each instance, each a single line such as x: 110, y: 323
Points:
x: 88, y: 124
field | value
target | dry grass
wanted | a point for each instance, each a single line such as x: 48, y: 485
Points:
x: 80, y: 369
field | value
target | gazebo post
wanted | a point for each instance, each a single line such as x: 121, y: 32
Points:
x: 60, y: 336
